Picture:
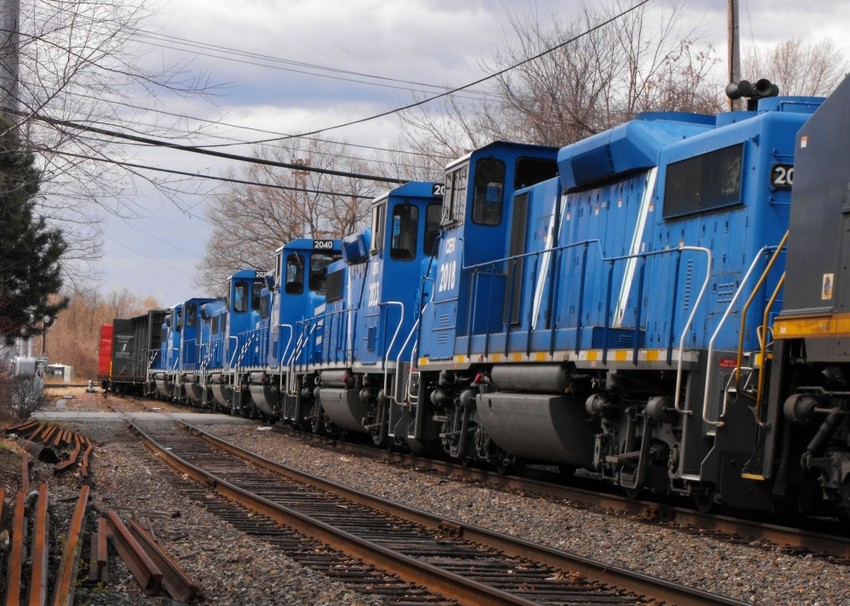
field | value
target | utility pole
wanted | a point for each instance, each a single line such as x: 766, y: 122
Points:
x: 300, y: 185
x: 10, y: 11
x: 734, y: 49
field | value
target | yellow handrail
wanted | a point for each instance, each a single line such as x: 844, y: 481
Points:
x: 763, y: 346
x: 749, y: 302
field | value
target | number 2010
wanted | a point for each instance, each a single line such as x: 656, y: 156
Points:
x: 448, y: 272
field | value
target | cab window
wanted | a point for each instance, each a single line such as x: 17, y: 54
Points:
x: 378, y: 221
x: 294, y: 274
x: 432, y: 228
x: 191, y: 314
x: 319, y: 270
x: 404, y: 227
x: 256, y: 290
x: 240, y: 297
x: 454, y: 201
x: 489, y: 190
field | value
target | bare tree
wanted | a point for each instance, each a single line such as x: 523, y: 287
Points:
x: 798, y: 68
x: 81, y: 67
x: 603, y: 77
x: 74, y: 338
x: 20, y: 394
x: 251, y: 221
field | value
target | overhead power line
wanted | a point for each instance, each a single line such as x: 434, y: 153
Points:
x: 333, y: 73
x: 214, y: 177
x: 453, y: 91
x: 405, y: 152
x: 209, y: 152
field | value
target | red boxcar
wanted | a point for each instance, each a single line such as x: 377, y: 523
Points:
x: 104, y: 358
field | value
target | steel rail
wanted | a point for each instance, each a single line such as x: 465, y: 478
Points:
x: 98, y: 559
x: 427, y: 575
x: 40, y: 551
x: 22, y: 426
x: 63, y: 592
x: 72, y: 459
x: 175, y: 581
x: 776, y: 534
x: 16, y: 556
x: 146, y: 573
x: 593, y: 570
x: 85, y: 464
x: 25, y: 473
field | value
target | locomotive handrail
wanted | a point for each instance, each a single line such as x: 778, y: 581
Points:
x: 288, y: 343
x: 305, y: 338
x: 763, y: 349
x: 252, y: 337
x: 492, y: 262
x: 687, y: 327
x: 392, y: 341
x: 610, y: 260
x: 235, y: 349
x: 291, y: 379
x: 719, y: 421
x: 397, y: 329
x: 750, y: 300
x: 514, y: 259
x: 413, y: 330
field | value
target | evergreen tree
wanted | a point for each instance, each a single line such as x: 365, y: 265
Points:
x: 30, y: 251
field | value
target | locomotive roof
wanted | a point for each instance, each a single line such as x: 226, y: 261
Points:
x: 502, y: 145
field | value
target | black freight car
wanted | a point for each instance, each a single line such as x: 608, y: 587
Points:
x: 134, y: 341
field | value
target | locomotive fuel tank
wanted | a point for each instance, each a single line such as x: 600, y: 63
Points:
x: 264, y: 394
x: 535, y: 418
x: 538, y: 427
x: 344, y: 407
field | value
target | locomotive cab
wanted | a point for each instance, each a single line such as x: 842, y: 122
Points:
x: 372, y: 310
x: 163, y: 373
x: 232, y: 342
x: 192, y: 341
x: 295, y: 291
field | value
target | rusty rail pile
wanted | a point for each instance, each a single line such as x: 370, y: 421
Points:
x: 56, y: 441
x: 25, y: 523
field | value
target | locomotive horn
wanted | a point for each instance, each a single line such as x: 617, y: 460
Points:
x: 736, y: 90
x: 752, y: 93
x: 766, y: 88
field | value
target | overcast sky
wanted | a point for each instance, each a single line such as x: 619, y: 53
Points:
x: 428, y: 41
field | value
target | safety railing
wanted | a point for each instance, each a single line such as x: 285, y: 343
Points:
x: 742, y: 288
x: 547, y: 276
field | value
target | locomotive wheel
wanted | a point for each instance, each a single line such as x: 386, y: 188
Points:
x: 565, y: 472
x: 508, y: 465
x: 704, y: 501
x: 632, y: 493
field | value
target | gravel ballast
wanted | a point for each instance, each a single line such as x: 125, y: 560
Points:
x: 233, y: 569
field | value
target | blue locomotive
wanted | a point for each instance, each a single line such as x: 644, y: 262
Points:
x: 653, y: 306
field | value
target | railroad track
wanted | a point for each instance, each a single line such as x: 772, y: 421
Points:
x: 431, y: 560
x: 821, y: 538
